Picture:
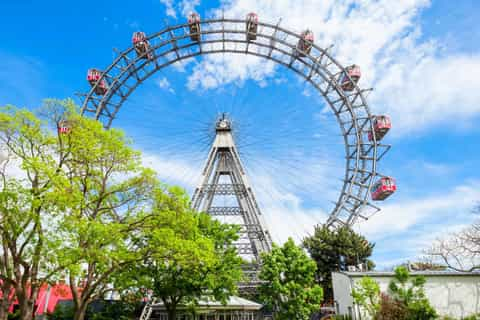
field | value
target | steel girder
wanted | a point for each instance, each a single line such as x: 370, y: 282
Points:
x: 319, y: 68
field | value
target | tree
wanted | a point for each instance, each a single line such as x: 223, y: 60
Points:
x: 74, y: 210
x: 106, y: 193
x: 459, y: 251
x: 290, y: 289
x: 334, y: 250
x: 410, y: 292
x: 366, y: 294
x: 196, y: 260
x: 29, y: 204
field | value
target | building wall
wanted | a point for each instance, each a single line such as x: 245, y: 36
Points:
x: 453, y: 295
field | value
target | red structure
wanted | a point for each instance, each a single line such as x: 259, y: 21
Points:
x: 93, y: 77
x: 381, y: 125
x: 252, y: 26
x: 383, y: 188
x: 48, y: 298
x: 64, y: 127
x: 141, y: 45
x: 352, y: 72
x: 194, y: 25
x: 305, y: 43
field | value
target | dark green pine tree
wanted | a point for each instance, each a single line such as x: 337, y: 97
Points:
x: 334, y: 250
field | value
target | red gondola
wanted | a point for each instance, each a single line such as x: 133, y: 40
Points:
x: 93, y: 78
x: 141, y: 45
x: 383, y: 188
x: 355, y: 73
x: 305, y: 43
x: 381, y: 125
x: 252, y: 26
x: 64, y: 127
x: 194, y: 25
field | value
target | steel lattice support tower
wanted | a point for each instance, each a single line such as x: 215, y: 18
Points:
x: 224, y: 181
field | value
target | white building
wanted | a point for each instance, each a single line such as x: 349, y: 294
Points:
x: 455, y: 294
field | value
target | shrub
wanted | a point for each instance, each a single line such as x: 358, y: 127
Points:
x: 391, y: 309
x: 367, y: 295
x: 410, y: 292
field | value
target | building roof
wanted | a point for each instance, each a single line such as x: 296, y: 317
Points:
x: 413, y: 273
x: 233, y: 303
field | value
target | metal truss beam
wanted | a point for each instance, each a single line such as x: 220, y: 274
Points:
x: 275, y: 43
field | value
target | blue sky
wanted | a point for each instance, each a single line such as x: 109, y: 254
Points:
x: 422, y: 57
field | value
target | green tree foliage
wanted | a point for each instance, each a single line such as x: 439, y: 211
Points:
x: 410, y: 292
x: 75, y: 206
x: 366, y: 294
x: 29, y: 205
x: 290, y: 289
x: 106, y: 192
x: 196, y: 259
x: 334, y: 250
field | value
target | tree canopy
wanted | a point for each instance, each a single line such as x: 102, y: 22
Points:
x: 334, y: 250
x: 76, y: 203
x: 290, y: 289
x: 197, y: 259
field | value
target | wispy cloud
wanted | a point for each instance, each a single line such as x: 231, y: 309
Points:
x: 184, y: 7
x: 404, y: 229
x: 163, y: 83
x: 284, y: 213
x: 403, y: 215
x: 169, y: 6
x: 415, y: 82
x: 188, y: 6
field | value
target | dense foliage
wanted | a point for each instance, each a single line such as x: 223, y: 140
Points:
x: 334, y: 250
x: 366, y: 294
x: 76, y: 203
x: 290, y: 289
x: 410, y: 292
x: 405, y: 300
x: 197, y: 259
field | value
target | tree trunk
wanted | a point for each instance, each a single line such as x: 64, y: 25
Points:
x: 172, y: 313
x: 81, y: 311
x: 5, y: 303
x: 171, y: 308
x: 26, y: 309
x: 3, y: 312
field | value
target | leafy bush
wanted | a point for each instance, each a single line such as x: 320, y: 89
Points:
x: 410, y: 292
x: 367, y: 295
x: 391, y: 309
x: 98, y: 310
x: 63, y: 311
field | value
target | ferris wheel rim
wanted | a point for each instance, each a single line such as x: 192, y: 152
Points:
x: 358, y: 179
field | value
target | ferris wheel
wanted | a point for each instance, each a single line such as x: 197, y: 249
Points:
x: 362, y: 131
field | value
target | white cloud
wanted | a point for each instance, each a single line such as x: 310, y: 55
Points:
x: 215, y: 71
x: 403, y: 230
x: 163, y: 83
x: 414, y: 81
x: 188, y: 6
x: 430, y: 90
x: 173, y: 171
x: 440, y: 209
x: 170, y: 10
x: 185, y: 7
x: 283, y: 212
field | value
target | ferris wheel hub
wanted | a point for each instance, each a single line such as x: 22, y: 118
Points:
x: 223, y: 124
